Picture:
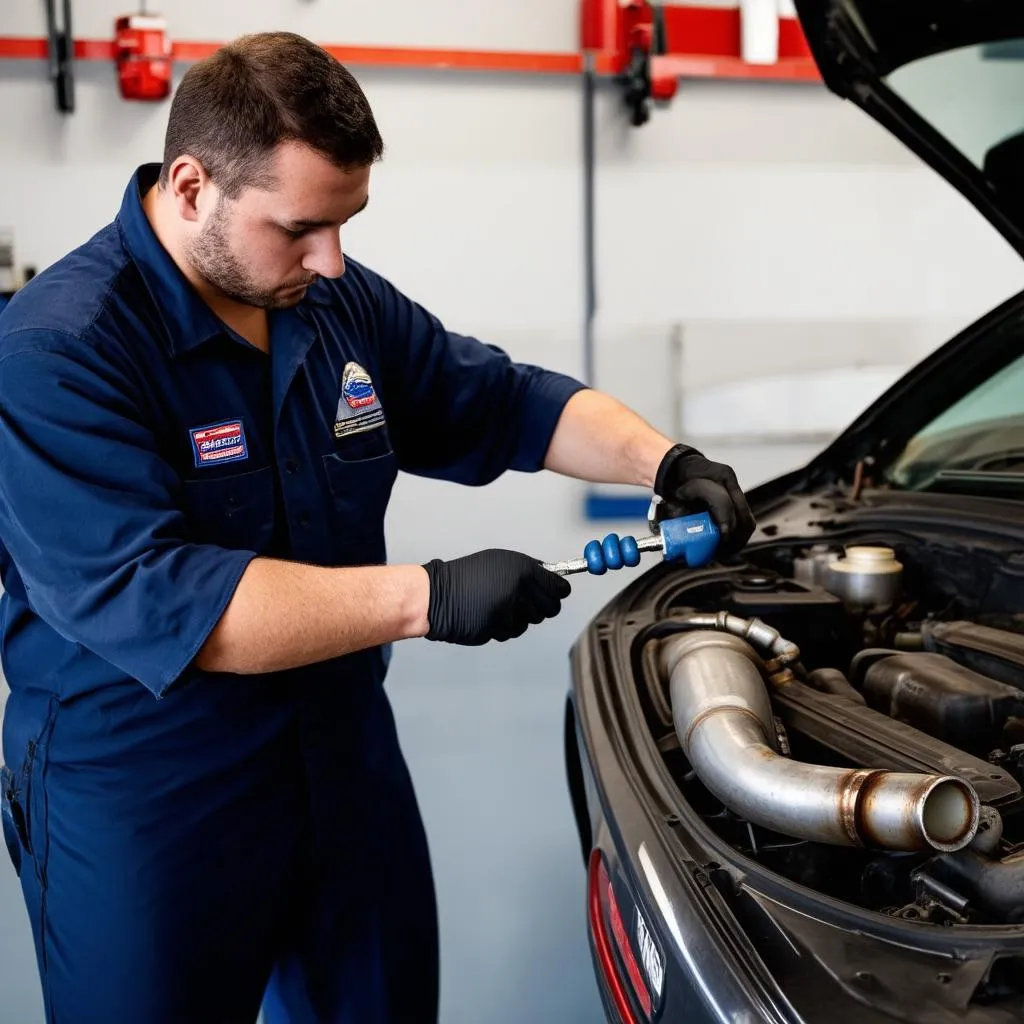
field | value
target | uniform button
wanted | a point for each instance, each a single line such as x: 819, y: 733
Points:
x: 304, y: 519
x: 291, y: 466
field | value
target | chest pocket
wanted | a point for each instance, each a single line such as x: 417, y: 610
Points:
x: 234, y: 511
x: 359, y: 490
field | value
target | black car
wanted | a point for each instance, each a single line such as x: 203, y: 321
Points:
x: 797, y: 773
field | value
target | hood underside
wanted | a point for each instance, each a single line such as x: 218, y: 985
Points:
x: 944, y: 76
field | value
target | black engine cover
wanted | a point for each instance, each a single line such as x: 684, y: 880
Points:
x: 998, y: 653
x: 944, y: 699
x: 864, y: 736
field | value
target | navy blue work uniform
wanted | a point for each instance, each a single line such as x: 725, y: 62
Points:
x: 190, y: 842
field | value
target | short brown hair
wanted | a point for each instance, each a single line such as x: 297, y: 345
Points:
x: 231, y: 110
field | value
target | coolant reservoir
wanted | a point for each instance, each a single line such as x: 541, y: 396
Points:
x: 867, y: 578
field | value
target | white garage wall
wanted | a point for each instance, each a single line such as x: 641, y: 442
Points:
x: 772, y: 221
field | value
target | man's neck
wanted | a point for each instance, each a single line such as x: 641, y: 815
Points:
x: 248, y: 321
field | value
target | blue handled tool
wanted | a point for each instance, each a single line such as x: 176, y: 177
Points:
x: 692, y: 540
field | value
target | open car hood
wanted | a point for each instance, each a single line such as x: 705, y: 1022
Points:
x: 946, y: 77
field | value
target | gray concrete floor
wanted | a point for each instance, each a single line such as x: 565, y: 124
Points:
x: 20, y: 1001
x: 508, y: 869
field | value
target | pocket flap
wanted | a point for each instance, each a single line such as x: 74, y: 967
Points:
x: 234, y: 511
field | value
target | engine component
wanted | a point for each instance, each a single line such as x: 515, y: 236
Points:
x: 944, y: 699
x: 810, y: 616
x: 758, y: 634
x: 811, y: 568
x: 862, y: 735
x: 831, y: 680
x: 723, y: 720
x: 1012, y: 760
x: 807, y: 614
x: 990, y: 831
x: 993, y: 652
x: 935, y: 903
x: 867, y: 579
x: 997, y: 886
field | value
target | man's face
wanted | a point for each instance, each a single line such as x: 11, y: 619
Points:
x: 266, y: 247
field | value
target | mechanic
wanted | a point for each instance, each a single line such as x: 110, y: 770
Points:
x: 202, y: 413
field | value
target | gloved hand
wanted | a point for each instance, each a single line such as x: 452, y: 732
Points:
x: 687, y: 482
x: 490, y: 595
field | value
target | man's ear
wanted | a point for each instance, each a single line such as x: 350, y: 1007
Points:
x: 189, y: 186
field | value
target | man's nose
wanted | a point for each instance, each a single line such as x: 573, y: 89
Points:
x: 326, y: 258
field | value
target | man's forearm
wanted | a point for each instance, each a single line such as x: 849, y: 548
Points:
x: 286, y: 614
x: 601, y: 440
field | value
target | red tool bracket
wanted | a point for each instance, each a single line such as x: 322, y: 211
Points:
x: 698, y: 41
x: 646, y: 47
x: 649, y: 46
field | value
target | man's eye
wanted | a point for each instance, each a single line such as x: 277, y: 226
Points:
x: 295, y: 233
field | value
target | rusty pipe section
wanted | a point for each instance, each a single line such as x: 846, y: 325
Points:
x: 723, y: 719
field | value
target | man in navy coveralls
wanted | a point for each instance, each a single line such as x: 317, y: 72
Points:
x: 203, y: 410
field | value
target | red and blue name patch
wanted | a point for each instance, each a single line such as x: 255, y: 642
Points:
x: 219, y: 442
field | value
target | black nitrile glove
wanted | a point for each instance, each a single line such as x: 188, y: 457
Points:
x: 490, y: 595
x: 688, y: 483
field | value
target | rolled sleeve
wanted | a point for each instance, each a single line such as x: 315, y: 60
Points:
x: 542, y: 408
x: 460, y: 409
x: 89, y: 518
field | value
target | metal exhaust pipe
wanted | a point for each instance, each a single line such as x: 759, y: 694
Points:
x: 723, y: 719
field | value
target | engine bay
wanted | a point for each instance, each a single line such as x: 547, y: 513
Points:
x: 911, y: 660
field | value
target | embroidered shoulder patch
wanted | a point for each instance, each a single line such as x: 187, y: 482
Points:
x: 219, y: 442
x: 358, y: 407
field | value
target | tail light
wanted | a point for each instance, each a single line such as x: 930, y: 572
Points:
x: 611, y: 935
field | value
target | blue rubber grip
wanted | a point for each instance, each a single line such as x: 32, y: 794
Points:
x: 595, y: 558
x: 690, y: 539
x: 630, y: 552
x: 612, y: 551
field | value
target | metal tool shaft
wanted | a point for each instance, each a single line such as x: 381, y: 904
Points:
x: 575, y: 565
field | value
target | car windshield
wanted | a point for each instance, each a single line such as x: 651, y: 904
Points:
x: 973, y: 96
x: 976, y: 441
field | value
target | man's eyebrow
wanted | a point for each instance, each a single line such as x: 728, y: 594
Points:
x: 305, y: 224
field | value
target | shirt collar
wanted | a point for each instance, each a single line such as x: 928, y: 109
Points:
x: 189, y: 320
